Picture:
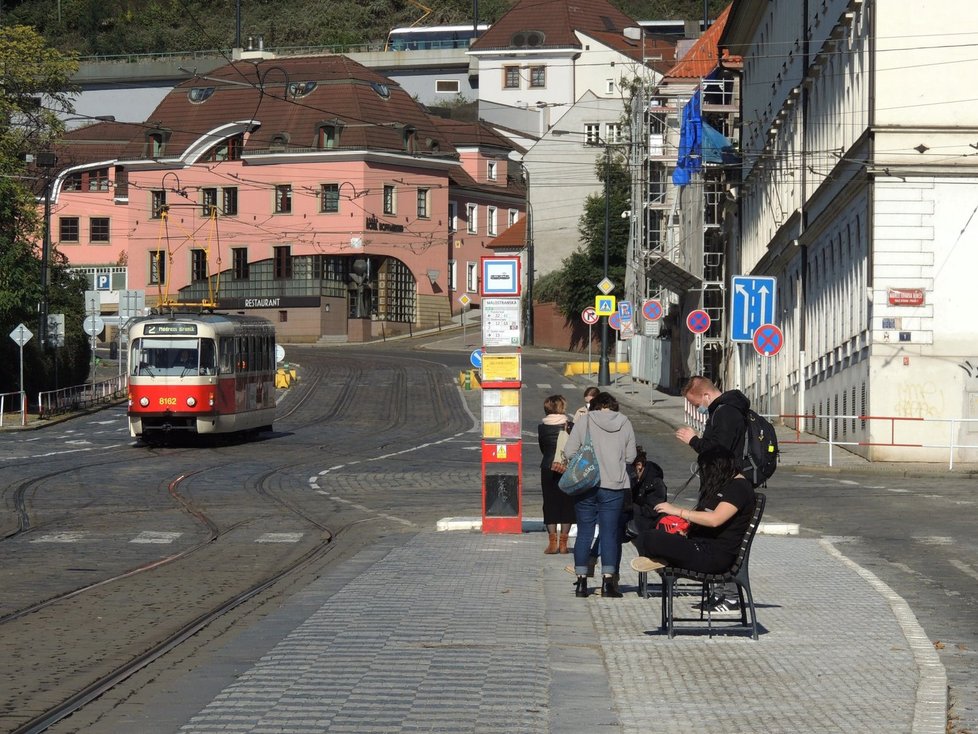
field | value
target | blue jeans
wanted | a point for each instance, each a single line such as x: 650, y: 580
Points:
x: 601, y: 507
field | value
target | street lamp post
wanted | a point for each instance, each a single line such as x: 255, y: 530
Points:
x: 604, y: 376
x: 529, y: 260
x: 46, y: 160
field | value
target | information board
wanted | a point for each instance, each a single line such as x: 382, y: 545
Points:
x: 503, y: 368
x: 501, y: 414
x: 501, y: 322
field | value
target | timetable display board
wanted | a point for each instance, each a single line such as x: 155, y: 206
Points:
x: 501, y: 414
x: 502, y: 370
x: 501, y: 322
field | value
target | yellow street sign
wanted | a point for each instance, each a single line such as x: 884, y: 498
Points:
x: 606, y: 286
x: 605, y: 305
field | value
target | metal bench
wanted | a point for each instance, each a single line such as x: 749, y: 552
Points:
x: 737, y: 574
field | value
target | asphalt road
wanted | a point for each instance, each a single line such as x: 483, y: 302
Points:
x: 377, y: 440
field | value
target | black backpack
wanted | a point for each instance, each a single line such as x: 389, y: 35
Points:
x: 761, y: 453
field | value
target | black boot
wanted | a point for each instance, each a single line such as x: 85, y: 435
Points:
x: 609, y: 587
x: 581, y: 589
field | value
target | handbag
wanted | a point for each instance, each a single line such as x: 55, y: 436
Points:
x: 673, y: 524
x: 560, y: 461
x: 582, y: 471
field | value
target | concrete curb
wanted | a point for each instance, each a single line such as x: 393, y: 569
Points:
x: 535, y: 525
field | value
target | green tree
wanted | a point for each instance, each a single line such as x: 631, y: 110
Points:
x: 34, y: 89
x: 572, y: 287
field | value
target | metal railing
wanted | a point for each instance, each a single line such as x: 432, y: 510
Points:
x: 895, y: 423
x: 15, y: 400
x: 81, y: 397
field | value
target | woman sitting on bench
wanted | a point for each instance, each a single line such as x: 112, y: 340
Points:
x: 717, y: 524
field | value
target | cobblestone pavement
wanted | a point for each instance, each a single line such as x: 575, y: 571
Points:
x: 460, y: 632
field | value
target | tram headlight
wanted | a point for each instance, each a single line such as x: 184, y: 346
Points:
x: 144, y: 401
x: 191, y: 401
x: 210, y: 400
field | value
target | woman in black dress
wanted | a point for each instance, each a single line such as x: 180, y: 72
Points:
x: 558, y: 508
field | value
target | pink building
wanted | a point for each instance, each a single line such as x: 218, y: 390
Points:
x: 311, y: 191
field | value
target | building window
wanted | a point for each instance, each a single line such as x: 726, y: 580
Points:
x: 98, y: 180
x: 453, y: 216
x: 283, y: 261
x: 98, y: 229
x: 209, y: 201
x: 423, y: 203
x: 410, y: 136
x: 157, y: 267
x: 239, y: 262
x: 283, y: 317
x: 491, y: 221
x: 157, y: 144
x: 538, y: 77
x: 609, y: 86
x: 472, y: 277
x: 592, y: 133
x: 230, y: 201
x: 390, y: 200
x: 613, y: 132
x: 68, y: 229
x: 198, y: 264
x: 447, y: 86
x: 158, y: 205
x: 511, y: 77
x: 491, y: 170
x: 452, y: 282
x: 72, y: 182
x: 472, y: 218
x: 329, y: 136
x: 226, y: 150
x: 329, y: 198
x: 514, y: 217
x: 283, y: 199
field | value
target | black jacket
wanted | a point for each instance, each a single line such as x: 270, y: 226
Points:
x: 726, y: 425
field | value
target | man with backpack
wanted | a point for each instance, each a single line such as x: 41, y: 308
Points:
x: 728, y: 418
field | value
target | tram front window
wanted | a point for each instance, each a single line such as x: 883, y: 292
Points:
x: 173, y: 357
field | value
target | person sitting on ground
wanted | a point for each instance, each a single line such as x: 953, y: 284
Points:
x: 717, y: 524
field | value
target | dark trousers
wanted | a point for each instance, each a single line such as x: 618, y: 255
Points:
x: 695, y: 554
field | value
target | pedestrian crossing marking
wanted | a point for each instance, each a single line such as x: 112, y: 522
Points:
x: 543, y: 385
x: 68, y: 536
x: 568, y: 386
x: 155, y: 536
x: 279, y: 538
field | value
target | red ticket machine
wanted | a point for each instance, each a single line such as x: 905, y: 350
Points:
x: 502, y: 493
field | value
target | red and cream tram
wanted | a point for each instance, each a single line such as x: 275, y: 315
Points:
x: 200, y: 373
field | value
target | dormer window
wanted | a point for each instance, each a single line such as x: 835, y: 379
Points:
x: 199, y: 94
x: 156, y: 143
x: 410, y: 139
x: 382, y: 90
x: 300, y: 89
x: 491, y: 170
x: 527, y: 39
x: 329, y: 135
x: 279, y: 141
x: 226, y: 150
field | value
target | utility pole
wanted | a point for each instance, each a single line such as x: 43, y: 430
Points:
x: 46, y: 160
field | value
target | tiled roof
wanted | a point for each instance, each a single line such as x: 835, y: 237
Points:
x: 100, y: 141
x: 372, y: 110
x: 460, y: 178
x: 514, y: 236
x: 460, y: 133
x: 704, y: 56
x: 556, y: 20
x: 659, y: 53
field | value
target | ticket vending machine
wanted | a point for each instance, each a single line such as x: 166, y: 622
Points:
x: 502, y: 445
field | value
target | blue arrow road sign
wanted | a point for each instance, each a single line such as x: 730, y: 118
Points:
x: 752, y: 306
x: 476, y: 359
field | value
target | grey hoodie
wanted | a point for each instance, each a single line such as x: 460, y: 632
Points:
x: 613, y: 439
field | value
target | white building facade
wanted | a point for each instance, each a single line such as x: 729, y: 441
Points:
x: 859, y: 195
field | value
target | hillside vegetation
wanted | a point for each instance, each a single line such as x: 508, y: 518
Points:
x: 106, y: 27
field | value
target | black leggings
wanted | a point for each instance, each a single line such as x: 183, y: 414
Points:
x: 695, y: 554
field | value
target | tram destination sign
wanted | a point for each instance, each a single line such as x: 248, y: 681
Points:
x: 167, y: 329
